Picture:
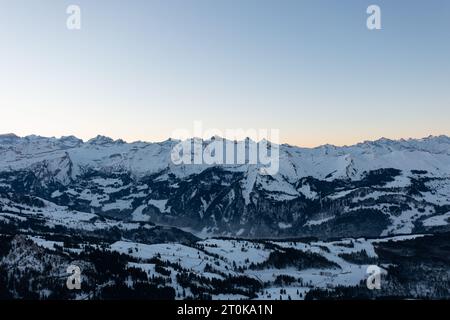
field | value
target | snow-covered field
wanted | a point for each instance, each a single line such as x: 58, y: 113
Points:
x: 224, y: 255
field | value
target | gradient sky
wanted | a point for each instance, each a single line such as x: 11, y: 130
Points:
x: 138, y: 70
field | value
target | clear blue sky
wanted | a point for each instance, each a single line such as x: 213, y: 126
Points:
x: 141, y: 69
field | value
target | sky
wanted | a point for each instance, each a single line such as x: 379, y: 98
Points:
x: 140, y: 70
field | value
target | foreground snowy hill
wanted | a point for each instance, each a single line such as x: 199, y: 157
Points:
x: 34, y: 267
x: 377, y: 188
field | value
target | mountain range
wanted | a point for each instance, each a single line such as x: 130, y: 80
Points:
x: 137, y: 226
x: 375, y: 188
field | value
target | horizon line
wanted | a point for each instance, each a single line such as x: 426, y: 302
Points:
x: 431, y: 136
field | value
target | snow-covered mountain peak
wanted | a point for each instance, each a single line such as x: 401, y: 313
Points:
x: 8, y: 137
x: 100, y: 140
